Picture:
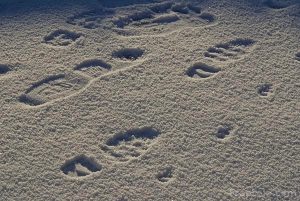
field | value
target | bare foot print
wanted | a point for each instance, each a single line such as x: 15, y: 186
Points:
x: 155, y: 18
x: 62, y: 38
x: 229, y: 51
x: 92, y: 19
x: 130, y: 144
x: 163, y: 17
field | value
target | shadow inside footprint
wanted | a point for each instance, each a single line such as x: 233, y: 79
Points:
x: 93, y: 67
x: 4, y: 69
x: 265, y: 90
x: 166, y: 19
x: 297, y: 56
x: 194, y: 8
x: 80, y: 166
x: 223, y: 132
x: 180, y: 8
x: 275, y: 4
x: 128, y: 53
x: 201, y: 70
x: 165, y: 175
x: 208, y: 17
